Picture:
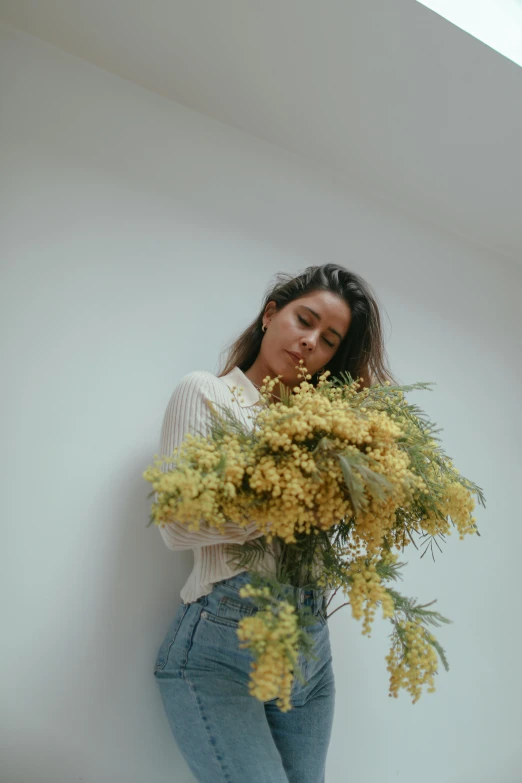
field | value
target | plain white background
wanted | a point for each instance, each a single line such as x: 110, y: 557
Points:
x: 138, y: 239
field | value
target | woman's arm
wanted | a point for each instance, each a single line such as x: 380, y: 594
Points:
x: 187, y: 411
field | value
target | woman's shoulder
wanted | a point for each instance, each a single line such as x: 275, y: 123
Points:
x: 201, y: 380
x: 197, y: 375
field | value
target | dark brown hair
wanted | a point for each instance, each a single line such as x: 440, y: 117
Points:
x: 361, y: 353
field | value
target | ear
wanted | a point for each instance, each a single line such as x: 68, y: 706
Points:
x: 271, y: 309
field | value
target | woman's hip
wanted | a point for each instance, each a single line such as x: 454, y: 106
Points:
x: 203, y: 634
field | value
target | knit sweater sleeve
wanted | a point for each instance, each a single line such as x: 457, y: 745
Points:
x: 187, y: 411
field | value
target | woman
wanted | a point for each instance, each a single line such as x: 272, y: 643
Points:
x: 329, y: 317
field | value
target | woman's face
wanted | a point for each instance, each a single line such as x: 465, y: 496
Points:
x: 312, y: 326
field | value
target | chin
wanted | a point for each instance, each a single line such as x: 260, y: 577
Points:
x: 290, y: 378
x: 284, y: 375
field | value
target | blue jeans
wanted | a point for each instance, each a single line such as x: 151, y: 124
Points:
x: 224, y: 734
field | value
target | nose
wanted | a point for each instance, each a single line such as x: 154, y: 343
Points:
x: 307, y: 344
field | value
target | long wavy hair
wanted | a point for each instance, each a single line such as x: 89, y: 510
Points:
x: 361, y: 353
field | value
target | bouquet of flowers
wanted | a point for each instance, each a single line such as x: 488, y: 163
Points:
x: 340, y: 477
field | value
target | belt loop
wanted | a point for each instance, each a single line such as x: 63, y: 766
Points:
x: 319, y: 597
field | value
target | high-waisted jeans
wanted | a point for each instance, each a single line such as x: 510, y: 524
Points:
x: 225, y: 734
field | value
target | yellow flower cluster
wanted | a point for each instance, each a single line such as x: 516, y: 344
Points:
x: 289, y: 478
x: 272, y: 636
x: 456, y: 503
x: 365, y: 591
x: 459, y: 504
x: 413, y: 661
x: 198, y: 488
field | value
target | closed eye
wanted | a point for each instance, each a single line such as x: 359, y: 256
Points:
x: 307, y: 324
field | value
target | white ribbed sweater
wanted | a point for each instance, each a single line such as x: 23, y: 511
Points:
x: 187, y: 411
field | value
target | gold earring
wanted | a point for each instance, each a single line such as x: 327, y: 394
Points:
x: 263, y: 328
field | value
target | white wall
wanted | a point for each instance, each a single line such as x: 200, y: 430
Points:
x: 138, y: 238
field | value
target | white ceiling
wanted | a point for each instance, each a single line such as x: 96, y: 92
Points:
x: 496, y: 22
x: 382, y: 92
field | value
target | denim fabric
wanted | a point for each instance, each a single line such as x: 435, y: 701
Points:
x: 224, y: 734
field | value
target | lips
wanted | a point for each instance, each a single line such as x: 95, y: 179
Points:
x: 296, y: 357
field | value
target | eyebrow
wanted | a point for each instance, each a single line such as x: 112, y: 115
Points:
x: 330, y: 329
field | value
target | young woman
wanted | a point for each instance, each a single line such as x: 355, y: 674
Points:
x: 329, y: 317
